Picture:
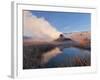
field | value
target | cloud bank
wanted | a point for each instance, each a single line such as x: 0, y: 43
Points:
x: 39, y: 27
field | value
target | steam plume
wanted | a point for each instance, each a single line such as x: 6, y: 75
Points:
x: 38, y: 27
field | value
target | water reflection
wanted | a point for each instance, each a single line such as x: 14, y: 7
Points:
x: 51, y: 55
x: 66, y: 57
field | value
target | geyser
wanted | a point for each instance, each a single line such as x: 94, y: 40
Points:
x: 39, y: 28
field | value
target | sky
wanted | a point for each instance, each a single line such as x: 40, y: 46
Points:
x: 66, y: 21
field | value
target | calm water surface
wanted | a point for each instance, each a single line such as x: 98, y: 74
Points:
x: 70, y: 57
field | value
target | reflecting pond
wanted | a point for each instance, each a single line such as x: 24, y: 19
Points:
x: 67, y: 57
x: 55, y: 55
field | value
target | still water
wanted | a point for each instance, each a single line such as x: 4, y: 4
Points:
x: 67, y: 57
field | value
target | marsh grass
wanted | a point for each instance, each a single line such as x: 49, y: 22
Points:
x: 32, y: 56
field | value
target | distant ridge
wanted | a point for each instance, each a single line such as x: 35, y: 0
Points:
x: 77, y: 32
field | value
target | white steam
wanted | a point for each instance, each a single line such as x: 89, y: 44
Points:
x: 38, y: 27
